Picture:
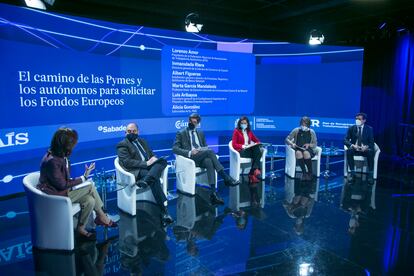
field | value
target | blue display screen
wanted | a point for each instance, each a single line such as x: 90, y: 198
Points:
x: 97, y: 76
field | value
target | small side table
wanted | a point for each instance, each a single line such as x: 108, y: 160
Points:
x: 272, y: 152
x: 328, y: 153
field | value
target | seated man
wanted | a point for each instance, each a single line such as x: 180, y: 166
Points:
x: 137, y: 157
x: 191, y: 143
x: 360, y: 141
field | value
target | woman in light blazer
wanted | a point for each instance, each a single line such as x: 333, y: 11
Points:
x: 303, y: 140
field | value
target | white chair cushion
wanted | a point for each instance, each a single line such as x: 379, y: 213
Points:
x: 245, y: 160
x: 198, y: 170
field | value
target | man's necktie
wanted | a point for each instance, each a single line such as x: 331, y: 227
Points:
x: 193, y: 140
x: 141, y: 149
x: 359, y: 136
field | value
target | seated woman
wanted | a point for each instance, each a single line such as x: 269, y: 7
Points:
x: 244, y: 142
x: 303, y: 140
x: 55, y: 179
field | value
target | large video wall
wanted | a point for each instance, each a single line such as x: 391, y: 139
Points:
x: 97, y: 76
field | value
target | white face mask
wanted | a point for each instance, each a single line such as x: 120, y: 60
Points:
x: 304, y: 128
x: 243, y: 126
x: 358, y: 122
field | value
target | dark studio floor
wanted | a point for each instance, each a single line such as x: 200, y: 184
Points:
x: 320, y: 227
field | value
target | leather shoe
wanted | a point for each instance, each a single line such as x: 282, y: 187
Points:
x: 229, y: 181
x: 166, y: 219
x: 216, y: 200
x: 142, y: 184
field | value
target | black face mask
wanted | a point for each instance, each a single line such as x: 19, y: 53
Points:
x: 132, y: 136
x: 191, y: 126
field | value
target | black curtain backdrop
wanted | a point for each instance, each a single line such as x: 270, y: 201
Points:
x: 387, y: 91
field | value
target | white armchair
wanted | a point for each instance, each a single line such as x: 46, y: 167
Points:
x: 127, y: 197
x: 240, y: 165
x: 361, y: 161
x: 290, y: 167
x: 51, y: 217
x: 188, y: 175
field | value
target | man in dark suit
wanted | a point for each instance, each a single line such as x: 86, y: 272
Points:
x: 191, y: 143
x: 360, y: 141
x: 136, y: 157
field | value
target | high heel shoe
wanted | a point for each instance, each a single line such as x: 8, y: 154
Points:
x: 258, y: 174
x: 111, y: 223
x: 253, y: 179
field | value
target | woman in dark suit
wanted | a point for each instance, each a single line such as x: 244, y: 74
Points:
x: 55, y: 179
x: 245, y: 142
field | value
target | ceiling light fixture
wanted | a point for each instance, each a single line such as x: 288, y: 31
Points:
x: 193, y: 23
x: 316, y: 37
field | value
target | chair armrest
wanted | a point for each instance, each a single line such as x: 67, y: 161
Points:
x: 290, y: 153
x: 234, y: 154
x: 318, y: 152
x: 164, y: 177
x: 377, y: 152
x: 182, y: 163
x: 123, y: 178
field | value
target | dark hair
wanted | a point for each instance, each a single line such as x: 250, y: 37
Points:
x: 364, y: 115
x: 63, y: 142
x: 306, y: 120
x: 241, y: 119
x: 196, y: 116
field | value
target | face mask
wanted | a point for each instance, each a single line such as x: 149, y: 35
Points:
x: 243, y: 126
x: 358, y: 122
x: 132, y: 136
x: 191, y: 126
x: 304, y: 128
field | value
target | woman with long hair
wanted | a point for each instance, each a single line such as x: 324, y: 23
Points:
x: 246, y: 143
x: 303, y: 140
x: 55, y: 179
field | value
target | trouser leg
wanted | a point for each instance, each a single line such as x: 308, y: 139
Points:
x: 350, y: 153
x: 152, y: 177
x: 207, y: 163
x: 370, y: 159
x: 157, y: 169
x: 255, y: 154
x: 158, y: 193
x: 89, y: 199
